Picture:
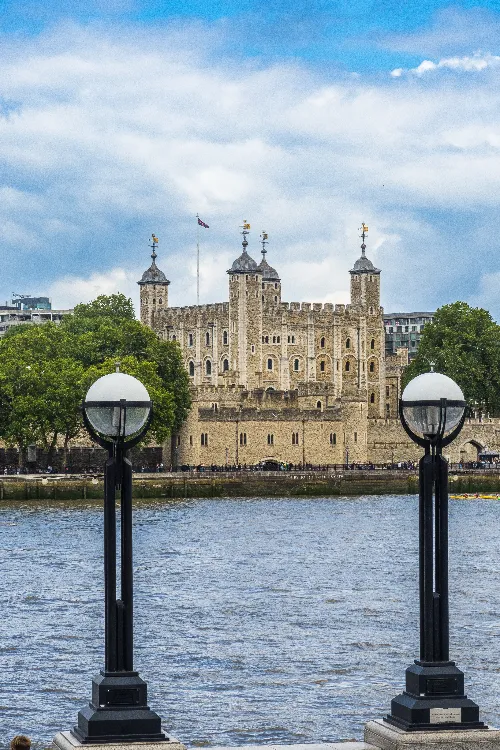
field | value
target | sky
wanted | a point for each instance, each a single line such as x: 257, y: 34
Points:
x: 120, y: 118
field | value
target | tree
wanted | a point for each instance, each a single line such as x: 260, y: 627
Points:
x: 464, y: 343
x: 45, y: 371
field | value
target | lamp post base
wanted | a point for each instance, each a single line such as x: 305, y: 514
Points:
x: 386, y: 737
x: 118, y: 712
x: 434, y: 700
x: 68, y: 741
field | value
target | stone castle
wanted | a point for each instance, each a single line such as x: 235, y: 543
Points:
x: 305, y: 383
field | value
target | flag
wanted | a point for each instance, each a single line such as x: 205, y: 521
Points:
x: 246, y: 225
x: 202, y: 224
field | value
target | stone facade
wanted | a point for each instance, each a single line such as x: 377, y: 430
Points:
x: 306, y: 383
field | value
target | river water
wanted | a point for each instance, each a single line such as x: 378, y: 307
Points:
x: 257, y: 620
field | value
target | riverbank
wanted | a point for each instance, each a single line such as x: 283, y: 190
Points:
x: 242, y: 484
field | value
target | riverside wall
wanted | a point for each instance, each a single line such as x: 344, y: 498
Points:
x: 268, y: 484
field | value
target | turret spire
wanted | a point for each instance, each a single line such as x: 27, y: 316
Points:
x: 364, y: 232
x: 154, y: 245
x: 245, y: 229
x: 263, y: 242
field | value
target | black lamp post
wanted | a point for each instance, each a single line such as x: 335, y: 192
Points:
x: 432, y: 411
x: 117, y: 413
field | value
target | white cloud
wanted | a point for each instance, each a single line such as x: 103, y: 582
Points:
x: 69, y: 291
x: 106, y: 140
x: 467, y: 64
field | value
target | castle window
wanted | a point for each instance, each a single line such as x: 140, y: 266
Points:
x: 262, y: 295
x: 204, y: 439
x: 355, y: 437
x: 318, y: 405
x: 322, y: 342
x: 274, y: 339
x: 348, y: 344
x: 322, y: 366
x: 263, y: 286
x: 174, y: 337
x: 160, y: 301
x: 337, y: 366
x: 225, y: 365
x: 269, y: 364
x: 191, y: 369
x: 154, y: 301
x: 275, y: 299
x: 275, y: 284
x: 387, y: 391
x: 372, y: 366
x: 208, y: 367
x: 178, y: 440
x: 207, y: 338
x: 224, y: 337
x: 347, y: 366
x: 215, y: 407
x: 247, y: 278
x: 295, y: 438
x: 293, y: 339
x: 296, y: 365
x: 372, y: 398
x: 243, y: 438
x: 333, y: 438
x: 371, y: 313
x: 387, y: 409
x: 253, y: 349
x: 372, y: 344
x: 190, y: 339
x: 278, y: 339
x: 191, y: 441
x: 266, y: 339
x: 270, y: 439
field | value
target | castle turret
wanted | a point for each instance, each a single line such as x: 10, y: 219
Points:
x: 271, y: 282
x: 365, y: 280
x: 154, y: 289
x: 245, y: 317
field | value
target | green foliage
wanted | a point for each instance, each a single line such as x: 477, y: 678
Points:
x: 464, y: 343
x: 45, y: 371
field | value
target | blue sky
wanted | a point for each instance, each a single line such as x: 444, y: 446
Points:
x: 304, y: 118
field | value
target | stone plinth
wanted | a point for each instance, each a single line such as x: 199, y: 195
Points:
x: 68, y: 741
x: 388, y: 737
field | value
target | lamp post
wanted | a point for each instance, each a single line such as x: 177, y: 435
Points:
x: 432, y: 411
x: 117, y: 413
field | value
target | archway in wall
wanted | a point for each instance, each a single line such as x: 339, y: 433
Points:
x: 469, y: 451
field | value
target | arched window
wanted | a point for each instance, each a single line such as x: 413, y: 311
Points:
x: 224, y: 337
x: 225, y: 365
x: 348, y: 344
x: 160, y: 301
x: 347, y: 366
x: 372, y: 366
x: 266, y: 339
x: 207, y: 338
x: 269, y: 364
x: 154, y: 301
x: 274, y: 339
x: 275, y: 284
x: 322, y: 342
x: 296, y: 365
x: 372, y: 344
x: 322, y: 366
x: 333, y: 438
x: 190, y: 339
x: 372, y: 398
x: 191, y: 369
x: 278, y: 339
x: 208, y: 367
x: 318, y: 405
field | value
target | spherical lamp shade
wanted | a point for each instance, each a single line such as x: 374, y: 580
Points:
x: 423, y: 406
x: 117, y: 405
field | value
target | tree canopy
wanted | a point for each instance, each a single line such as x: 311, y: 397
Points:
x: 463, y: 342
x: 45, y: 371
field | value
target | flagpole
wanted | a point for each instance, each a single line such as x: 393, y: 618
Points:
x: 197, y: 261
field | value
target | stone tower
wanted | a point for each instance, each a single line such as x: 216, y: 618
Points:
x: 365, y: 297
x: 245, y: 317
x: 154, y: 290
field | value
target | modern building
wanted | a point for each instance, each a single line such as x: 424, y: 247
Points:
x: 289, y: 381
x: 28, y: 310
x: 405, y: 330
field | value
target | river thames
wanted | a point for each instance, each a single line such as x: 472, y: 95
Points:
x: 256, y: 620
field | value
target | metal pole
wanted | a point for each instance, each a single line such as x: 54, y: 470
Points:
x: 197, y: 261
x: 427, y: 558
x: 442, y: 557
x: 110, y: 648
x: 127, y: 587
